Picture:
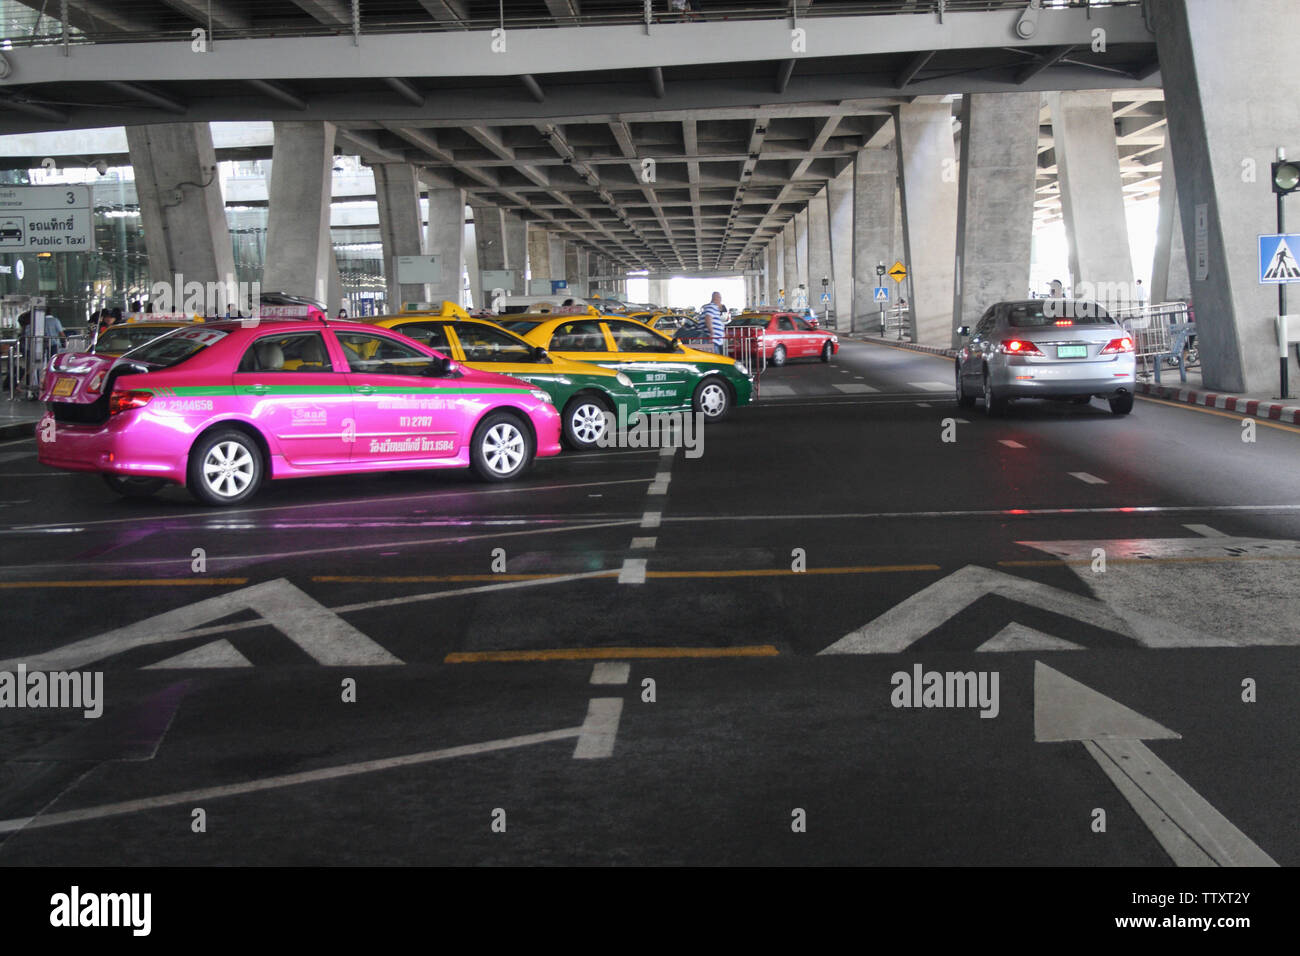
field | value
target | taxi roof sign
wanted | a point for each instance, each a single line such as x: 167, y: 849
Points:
x: 898, y: 272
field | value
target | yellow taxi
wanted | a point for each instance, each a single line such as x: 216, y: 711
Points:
x: 583, y: 393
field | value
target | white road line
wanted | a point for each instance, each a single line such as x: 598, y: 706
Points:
x: 599, y: 729
x: 1205, y: 531
x: 922, y: 404
x: 611, y: 672
x: 854, y: 389
x: 932, y: 386
x: 995, y: 513
x: 660, y: 484
x: 633, y: 571
x: 1009, y: 443
x: 206, y: 515
x: 293, y: 779
x: 668, y: 450
x: 1088, y: 479
x: 651, y: 519
x: 644, y: 543
x: 775, y: 391
x: 16, y: 455
x: 962, y: 421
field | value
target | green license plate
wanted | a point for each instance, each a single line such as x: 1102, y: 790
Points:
x: 1072, y: 351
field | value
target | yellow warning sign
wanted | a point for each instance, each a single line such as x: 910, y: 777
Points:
x: 898, y: 272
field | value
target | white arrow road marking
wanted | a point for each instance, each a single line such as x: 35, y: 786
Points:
x: 1009, y: 443
x: 312, y: 626
x: 286, y: 780
x: 219, y: 653
x: 1087, y: 478
x: 1019, y: 637
x: 907, y: 622
x: 599, y: 729
x: 610, y: 672
x: 1191, y: 831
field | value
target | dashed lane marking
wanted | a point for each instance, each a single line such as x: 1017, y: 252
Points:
x: 854, y: 389
x: 608, y: 653
x: 644, y: 544
x: 600, y: 729
x: 611, y: 672
x: 651, y: 519
x: 932, y: 386
x: 1088, y: 479
x: 775, y: 391
x: 633, y: 571
x: 1009, y: 443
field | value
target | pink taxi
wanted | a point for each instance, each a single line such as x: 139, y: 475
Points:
x: 223, y: 406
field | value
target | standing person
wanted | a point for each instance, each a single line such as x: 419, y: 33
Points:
x: 714, y: 328
x: 1141, y: 295
x: 54, y: 330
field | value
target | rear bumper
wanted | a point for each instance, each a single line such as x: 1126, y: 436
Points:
x: 120, y: 446
x: 1047, y: 380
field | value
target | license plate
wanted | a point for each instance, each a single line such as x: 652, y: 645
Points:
x: 64, y: 386
x: 1072, y: 351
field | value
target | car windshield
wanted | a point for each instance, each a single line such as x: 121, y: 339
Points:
x: 175, y: 347
x: 1043, y: 313
x: 521, y: 327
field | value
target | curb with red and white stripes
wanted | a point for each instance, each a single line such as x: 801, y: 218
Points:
x: 930, y: 349
x: 1251, y: 407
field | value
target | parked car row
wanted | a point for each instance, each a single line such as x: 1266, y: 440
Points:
x: 221, y: 406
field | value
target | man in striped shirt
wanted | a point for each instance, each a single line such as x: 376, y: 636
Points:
x: 711, y: 320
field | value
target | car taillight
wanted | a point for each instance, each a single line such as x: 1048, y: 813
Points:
x: 124, y: 401
x: 1019, y: 347
x: 1115, y: 346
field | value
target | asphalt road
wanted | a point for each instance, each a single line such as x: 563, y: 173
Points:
x: 826, y: 539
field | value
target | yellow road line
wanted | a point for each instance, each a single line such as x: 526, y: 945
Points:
x: 437, y: 578
x: 1222, y: 413
x: 609, y: 653
x: 126, y: 583
x: 786, y: 572
x: 1187, y: 559
x: 740, y: 573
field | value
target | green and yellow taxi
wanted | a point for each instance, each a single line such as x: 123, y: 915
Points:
x: 668, y: 376
x: 583, y: 393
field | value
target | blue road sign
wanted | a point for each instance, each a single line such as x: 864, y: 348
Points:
x: 826, y: 296
x: 1277, y: 258
x: 881, y: 294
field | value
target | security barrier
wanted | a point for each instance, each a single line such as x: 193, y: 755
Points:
x: 743, y: 343
x: 1163, y: 334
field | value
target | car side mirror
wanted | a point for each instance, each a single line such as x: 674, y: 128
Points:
x: 964, y: 331
x: 442, y: 367
x: 539, y: 354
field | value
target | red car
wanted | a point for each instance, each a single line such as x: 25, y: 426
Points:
x: 787, y: 335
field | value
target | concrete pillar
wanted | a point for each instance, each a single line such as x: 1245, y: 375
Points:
x: 875, y: 178
x: 839, y: 196
x: 489, y: 249
x: 1092, y: 195
x: 1170, y: 280
x: 446, y: 240
x: 472, y: 269
x: 804, y: 297
x: 790, y: 240
x: 184, y: 227
x: 659, y: 292
x: 777, y: 249
x: 299, y: 253
x: 539, y: 254
x: 1232, y: 94
x: 516, y: 243
x: 995, y: 208
x: 397, y: 191
x: 559, y: 259
x: 927, y: 170
x: 819, y: 251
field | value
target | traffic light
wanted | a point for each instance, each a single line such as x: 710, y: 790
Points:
x: 1286, y: 177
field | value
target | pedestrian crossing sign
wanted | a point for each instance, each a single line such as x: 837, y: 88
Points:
x: 1277, y: 259
x: 881, y: 294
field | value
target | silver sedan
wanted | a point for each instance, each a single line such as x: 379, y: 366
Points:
x: 1065, y: 349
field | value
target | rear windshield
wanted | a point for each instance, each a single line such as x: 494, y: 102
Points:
x: 520, y: 327
x: 175, y: 347
x: 118, y: 340
x: 1049, y: 312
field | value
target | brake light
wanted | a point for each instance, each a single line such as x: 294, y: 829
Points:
x: 124, y: 401
x: 1019, y: 347
x: 1064, y: 322
x: 1116, y: 346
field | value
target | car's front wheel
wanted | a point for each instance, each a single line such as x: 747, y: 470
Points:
x: 585, y: 422
x: 501, y: 449
x: 132, y: 487
x: 712, y: 398
x: 225, y: 467
x: 778, y: 357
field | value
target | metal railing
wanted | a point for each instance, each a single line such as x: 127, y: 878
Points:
x: 1163, y: 334
x: 24, y: 360
x: 42, y: 22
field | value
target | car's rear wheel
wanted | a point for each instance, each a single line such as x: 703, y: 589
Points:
x: 585, y: 422
x: 995, y: 406
x: 826, y: 352
x: 225, y: 467
x: 963, y: 400
x: 712, y: 398
x: 1121, y: 404
x: 502, y: 448
x: 131, y: 487
x: 778, y: 356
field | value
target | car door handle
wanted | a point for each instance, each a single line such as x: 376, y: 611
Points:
x: 259, y: 389
x: 366, y: 389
